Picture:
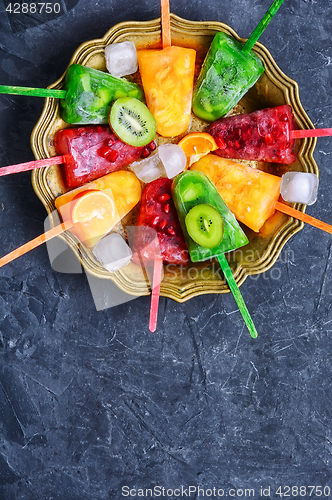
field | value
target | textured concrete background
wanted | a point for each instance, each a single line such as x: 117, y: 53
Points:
x: 91, y: 401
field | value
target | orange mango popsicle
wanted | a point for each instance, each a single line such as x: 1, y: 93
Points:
x: 167, y: 78
x: 121, y: 186
x: 249, y: 193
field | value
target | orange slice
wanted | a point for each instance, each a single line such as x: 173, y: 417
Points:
x: 196, y: 145
x: 93, y: 204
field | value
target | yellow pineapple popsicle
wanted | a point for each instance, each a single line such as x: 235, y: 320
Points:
x: 121, y: 186
x: 168, y: 78
x: 249, y: 193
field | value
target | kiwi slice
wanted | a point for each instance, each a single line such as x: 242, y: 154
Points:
x: 205, y: 225
x: 132, y: 122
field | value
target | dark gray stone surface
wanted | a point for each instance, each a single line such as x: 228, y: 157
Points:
x: 90, y: 400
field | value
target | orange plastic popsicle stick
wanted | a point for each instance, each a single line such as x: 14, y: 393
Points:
x: 61, y: 228
x: 31, y: 165
x: 165, y: 24
x: 303, y: 217
x: 316, y: 132
x: 157, y: 271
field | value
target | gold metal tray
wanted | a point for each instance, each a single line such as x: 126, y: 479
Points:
x: 272, y: 89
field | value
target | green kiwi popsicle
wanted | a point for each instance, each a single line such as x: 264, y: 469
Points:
x: 210, y: 228
x: 193, y: 189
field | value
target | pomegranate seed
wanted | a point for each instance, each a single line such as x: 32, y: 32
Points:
x: 283, y: 117
x: 166, y: 208
x: 162, y: 225
x: 110, y: 141
x: 163, y: 197
x: 171, y: 231
x: 220, y: 143
x: 237, y: 144
x: 152, y: 146
x: 155, y: 221
x: 269, y: 139
x: 145, y: 152
x: 112, y: 156
x: 104, y: 151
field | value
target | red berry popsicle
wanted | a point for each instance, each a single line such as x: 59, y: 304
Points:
x: 264, y: 135
x: 158, y: 212
x: 86, y: 154
x: 158, y: 237
x: 92, y: 152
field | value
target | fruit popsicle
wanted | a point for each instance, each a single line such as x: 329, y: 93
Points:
x: 226, y: 75
x: 87, y: 95
x: 158, y: 212
x: 249, y: 193
x: 90, y: 211
x: 91, y: 152
x: 210, y: 228
x: 229, y: 70
x: 86, y: 153
x: 122, y: 187
x: 192, y: 189
x: 253, y: 194
x: 167, y: 78
x: 264, y: 135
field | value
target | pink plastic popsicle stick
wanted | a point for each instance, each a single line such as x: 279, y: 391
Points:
x: 157, y: 271
x: 31, y: 165
x: 318, y: 132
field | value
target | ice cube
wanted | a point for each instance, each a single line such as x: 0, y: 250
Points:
x: 121, y: 58
x: 149, y: 169
x: 112, y: 252
x: 299, y: 187
x: 173, y: 158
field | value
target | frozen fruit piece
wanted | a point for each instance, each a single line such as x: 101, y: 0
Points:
x: 264, y: 135
x: 299, y: 187
x: 205, y: 225
x: 92, y: 152
x: 132, y: 122
x: 157, y: 212
x: 112, y: 252
x: 121, y: 58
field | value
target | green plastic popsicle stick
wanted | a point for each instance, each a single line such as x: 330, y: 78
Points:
x: 262, y: 25
x: 237, y: 295
x: 31, y: 91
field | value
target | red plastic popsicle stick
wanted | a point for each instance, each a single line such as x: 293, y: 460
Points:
x: 317, y: 132
x: 165, y: 24
x: 31, y: 165
x: 303, y: 217
x: 61, y: 228
x: 157, y: 272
